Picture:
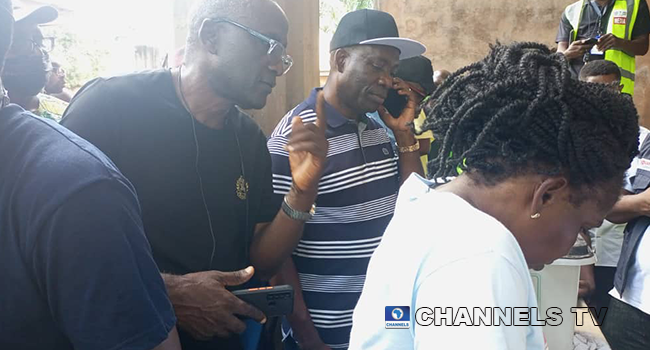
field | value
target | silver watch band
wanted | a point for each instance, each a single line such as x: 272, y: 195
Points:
x: 295, y: 214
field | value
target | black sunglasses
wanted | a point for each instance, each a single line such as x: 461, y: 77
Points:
x: 276, y: 50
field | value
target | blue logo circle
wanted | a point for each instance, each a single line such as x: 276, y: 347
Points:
x: 397, y: 313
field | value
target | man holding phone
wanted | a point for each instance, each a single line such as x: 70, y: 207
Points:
x: 358, y: 188
x: 614, y: 30
x: 201, y: 167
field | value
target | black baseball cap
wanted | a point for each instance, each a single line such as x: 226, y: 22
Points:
x: 41, y: 15
x: 372, y: 27
x: 419, y: 70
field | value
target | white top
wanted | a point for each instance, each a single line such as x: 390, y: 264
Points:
x: 439, y: 251
x: 637, y: 291
x: 608, y: 243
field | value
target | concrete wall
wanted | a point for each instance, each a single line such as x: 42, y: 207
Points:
x: 458, y: 32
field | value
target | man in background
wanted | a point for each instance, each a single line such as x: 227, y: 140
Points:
x: 597, y: 280
x: 417, y: 73
x: 28, y: 65
x: 614, y: 30
x: 77, y: 271
x: 56, y: 83
x: 440, y: 76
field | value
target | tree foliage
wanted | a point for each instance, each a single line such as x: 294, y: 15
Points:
x: 83, y: 59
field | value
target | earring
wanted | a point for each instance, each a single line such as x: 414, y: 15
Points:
x: 536, y: 216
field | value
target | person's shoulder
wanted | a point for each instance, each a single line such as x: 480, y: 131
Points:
x: 50, y: 163
x: 125, y: 86
x: 57, y: 152
x: 451, y: 217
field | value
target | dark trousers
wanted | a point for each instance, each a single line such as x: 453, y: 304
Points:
x: 626, y: 327
x: 604, y: 278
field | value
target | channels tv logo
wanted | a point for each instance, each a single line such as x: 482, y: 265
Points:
x: 398, y: 317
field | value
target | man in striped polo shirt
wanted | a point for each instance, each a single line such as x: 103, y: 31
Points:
x: 358, y: 189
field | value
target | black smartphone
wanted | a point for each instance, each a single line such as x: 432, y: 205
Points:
x: 591, y: 41
x: 395, y: 103
x: 272, y: 301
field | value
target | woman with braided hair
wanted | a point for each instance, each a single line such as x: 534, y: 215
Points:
x: 540, y: 156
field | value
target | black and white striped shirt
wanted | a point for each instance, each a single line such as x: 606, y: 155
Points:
x: 356, y: 200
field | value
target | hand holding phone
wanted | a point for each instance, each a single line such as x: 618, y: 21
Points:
x: 272, y: 301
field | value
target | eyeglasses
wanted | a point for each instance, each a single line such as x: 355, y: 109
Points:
x: 48, y: 43
x: 276, y: 52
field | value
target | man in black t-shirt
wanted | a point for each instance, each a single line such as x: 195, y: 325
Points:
x: 201, y: 166
x: 607, y: 23
x: 76, y: 270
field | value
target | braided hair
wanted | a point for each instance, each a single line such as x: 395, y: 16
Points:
x: 518, y: 111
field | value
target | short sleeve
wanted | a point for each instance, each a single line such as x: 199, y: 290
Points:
x: 642, y: 24
x: 92, y: 115
x: 94, y: 266
x: 564, y: 30
x: 280, y: 167
x: 489, y: 281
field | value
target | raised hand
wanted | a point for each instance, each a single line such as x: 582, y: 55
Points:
x: 307, y: 148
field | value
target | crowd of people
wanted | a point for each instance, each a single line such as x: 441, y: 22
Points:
x: 131, y: 211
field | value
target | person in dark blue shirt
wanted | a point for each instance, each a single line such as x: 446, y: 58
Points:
x: 76, y: 270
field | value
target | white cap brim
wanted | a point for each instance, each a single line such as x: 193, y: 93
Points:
x: 408, y: 48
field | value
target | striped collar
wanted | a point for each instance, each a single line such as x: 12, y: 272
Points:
x: 334, y: 118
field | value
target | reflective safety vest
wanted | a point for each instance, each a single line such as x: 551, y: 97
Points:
x: 621, y: 22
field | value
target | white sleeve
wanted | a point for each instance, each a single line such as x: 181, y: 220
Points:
x: 483, y: 281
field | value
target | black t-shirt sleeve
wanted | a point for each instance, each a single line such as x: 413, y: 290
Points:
x: 92, y: 115
x: 564, y: 30
x: 642, y: 24
x: 270, y: 203
x: 94, y: 265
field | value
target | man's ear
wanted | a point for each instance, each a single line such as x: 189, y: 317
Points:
x: 340, y: 59
x: 548, y: 192
x: 208, y: 35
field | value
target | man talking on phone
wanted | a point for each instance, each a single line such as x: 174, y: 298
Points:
x: 358, y: 188
x: 614, y: 30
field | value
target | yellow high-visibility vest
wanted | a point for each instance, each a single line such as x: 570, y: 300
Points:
x: 621, y: 22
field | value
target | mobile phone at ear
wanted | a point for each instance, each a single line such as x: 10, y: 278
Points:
x: 272, y: 301
x: 395, y: 103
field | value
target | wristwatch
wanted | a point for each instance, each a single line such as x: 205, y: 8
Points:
x: 409, y: 149
x: 295, y: 214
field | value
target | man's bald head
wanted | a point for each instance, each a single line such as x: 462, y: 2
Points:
x: 233, y: 55
x: 242, y: 11
x: 440, y: 76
